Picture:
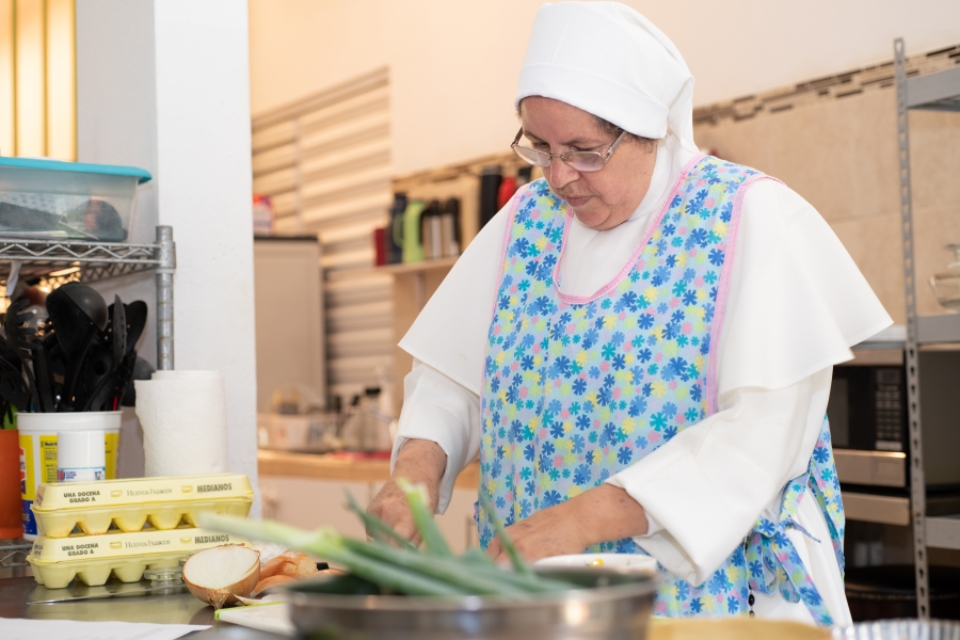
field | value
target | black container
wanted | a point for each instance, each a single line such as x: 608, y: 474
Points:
x: 395, y: 229
x: 490, y: 180
x: 889, y: 591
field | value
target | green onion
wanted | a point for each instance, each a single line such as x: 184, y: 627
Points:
x: 423, y: 517
x: 327, y: 543
x: 518, y: 564
x: 448, y: 570
x: 376, y: 527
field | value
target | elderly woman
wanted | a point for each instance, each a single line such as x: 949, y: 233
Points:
x: 639, y: 346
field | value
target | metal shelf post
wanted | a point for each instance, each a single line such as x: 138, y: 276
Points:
x: 918, y: 488
x: 165, y: 270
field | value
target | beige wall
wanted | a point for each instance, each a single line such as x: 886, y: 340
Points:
x: 454, y: 63
x: 841, y: 155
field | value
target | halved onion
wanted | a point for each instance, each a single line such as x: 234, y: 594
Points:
x: 218, y: 574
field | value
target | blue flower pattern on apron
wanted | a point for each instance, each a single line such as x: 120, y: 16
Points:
x: 575, y: 390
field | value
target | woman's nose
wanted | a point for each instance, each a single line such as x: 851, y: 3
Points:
x: 561, y: 174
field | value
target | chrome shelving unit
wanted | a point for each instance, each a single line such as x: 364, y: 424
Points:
x: 58, y: 261
x: 938, y: 91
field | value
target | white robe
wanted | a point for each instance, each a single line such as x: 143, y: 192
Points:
x: 796, y: 303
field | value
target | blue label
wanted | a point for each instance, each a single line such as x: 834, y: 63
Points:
x: 29, y: 522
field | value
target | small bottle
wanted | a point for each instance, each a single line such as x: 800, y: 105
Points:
x: 430, y: 231
x: 450, y: 228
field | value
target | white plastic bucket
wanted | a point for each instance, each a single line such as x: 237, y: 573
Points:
x: 38, y: 450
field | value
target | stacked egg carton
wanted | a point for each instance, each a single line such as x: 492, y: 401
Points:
x: 112, y: 516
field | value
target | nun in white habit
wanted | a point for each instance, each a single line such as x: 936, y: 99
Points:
x: 639, y: 346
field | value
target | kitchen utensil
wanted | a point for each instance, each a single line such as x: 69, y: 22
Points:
x: 16, y: 334
x: 946, y: 285
x: 43, y: 376
x: 142, y: 370
x: 136, y: 313
x: 13, y: 386
x: 104, y: 360
x: 610, y: 605
x: 78, y: 314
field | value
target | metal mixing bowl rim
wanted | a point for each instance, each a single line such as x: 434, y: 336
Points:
x: 642, y: 585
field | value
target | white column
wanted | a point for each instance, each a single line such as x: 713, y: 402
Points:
x: 164, y: 85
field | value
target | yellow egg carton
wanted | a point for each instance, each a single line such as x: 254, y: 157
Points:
x: 130, y: 504
x: 91, y: 559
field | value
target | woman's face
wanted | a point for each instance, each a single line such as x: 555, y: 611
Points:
x: 601, y: 199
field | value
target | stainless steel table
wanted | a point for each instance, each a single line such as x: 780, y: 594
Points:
x: 178, y: 608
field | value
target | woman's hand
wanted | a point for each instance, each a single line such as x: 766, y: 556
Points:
x: 598, y: 515
x: 420, y: 462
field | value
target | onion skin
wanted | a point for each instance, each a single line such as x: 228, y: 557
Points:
x: 219, y: 598
x: 291, y: 563
x: 272, y: 581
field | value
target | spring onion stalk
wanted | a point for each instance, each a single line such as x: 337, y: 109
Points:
x: 477, y: 556
x: 531, y: 582
x: 377, y: 528
x: 450, y: 570
x: 423, y: 517
x: 519, y: 565
x: 328, y: 544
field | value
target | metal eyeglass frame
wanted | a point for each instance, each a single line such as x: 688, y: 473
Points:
x: 566, y: 155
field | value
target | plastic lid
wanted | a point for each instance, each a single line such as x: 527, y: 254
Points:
x: 76, y: 167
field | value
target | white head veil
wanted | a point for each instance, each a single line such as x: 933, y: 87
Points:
x: 607, y: 59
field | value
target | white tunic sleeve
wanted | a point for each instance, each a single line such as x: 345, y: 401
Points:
x: 437, y: 409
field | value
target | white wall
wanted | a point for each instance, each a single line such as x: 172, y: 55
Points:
x: 164, y: 85
x: 454, y: 64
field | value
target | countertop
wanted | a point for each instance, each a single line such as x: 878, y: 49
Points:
x: 180, y: 608
x: 338, y: 467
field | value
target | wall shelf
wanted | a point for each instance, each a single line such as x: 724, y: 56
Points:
x: 944, y: 532
x: 938, y: 91
x: 941, y: 328
x: 417, y: 267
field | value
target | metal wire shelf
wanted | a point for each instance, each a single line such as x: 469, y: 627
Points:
x: 54, y: 262
x: 13, y: 553
x: 94, y: 261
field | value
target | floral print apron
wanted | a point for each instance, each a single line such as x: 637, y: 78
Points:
x: 576, y: 389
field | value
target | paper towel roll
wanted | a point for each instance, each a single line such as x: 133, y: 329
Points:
x: 184, y: 420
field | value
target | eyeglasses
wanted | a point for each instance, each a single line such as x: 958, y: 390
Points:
x: 583, y: 161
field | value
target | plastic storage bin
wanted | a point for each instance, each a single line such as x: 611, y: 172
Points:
x: 56, y: 200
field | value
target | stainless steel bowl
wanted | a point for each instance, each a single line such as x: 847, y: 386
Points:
x: 611, y: 605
